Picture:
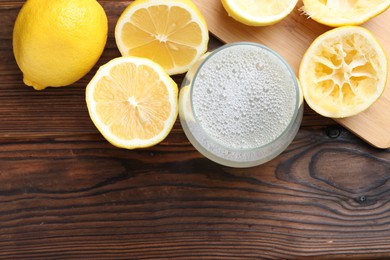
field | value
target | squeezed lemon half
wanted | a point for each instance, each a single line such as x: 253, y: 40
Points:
x: 343, y: 72
x: 344, y: 12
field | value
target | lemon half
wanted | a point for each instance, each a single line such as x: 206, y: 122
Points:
x: 343, y: 72
x: 344, y: 12
x: 132, y: 102
x: 172, y: 33
x: 259, y: 12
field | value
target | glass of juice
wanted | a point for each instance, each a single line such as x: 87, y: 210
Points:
x: 240, y: 105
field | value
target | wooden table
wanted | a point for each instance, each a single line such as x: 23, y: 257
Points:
x: 66, y: 193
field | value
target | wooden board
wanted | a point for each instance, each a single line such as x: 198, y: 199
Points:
x: 290, y: 38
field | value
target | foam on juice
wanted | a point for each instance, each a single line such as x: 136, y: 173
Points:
x: 243, y: 97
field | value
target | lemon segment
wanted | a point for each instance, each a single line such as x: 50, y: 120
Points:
x: 258, y: 12
x: 132, y: 102
x: 56, y: 43
x: 172, y: 33
x: 343, y: 72
x: 343, y: 12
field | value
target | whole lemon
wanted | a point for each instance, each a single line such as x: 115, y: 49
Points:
x: 56, y: 43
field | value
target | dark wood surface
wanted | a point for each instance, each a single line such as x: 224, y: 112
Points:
x: 66, y: 193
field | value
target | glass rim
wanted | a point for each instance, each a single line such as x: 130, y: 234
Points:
x: 280, y: 58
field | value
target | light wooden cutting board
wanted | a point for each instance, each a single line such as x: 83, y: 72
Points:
x: 290, y: 38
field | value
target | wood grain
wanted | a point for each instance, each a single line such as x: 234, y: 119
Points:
x: 290, y: 38
x: 66, y: 193
x: 70, y: 198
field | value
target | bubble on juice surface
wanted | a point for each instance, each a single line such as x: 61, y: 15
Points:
x: 252, y: 100
x: 259, y: 66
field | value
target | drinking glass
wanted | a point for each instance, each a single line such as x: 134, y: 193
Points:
x: 240, y: 105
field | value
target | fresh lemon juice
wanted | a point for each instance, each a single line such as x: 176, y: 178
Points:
x: 241, y: 105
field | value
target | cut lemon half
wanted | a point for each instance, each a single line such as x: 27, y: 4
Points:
x: 172, y: 33
x: 343, y: 12
x: 343, y: 72
x: 132, y: 102
x: 259, y: 12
